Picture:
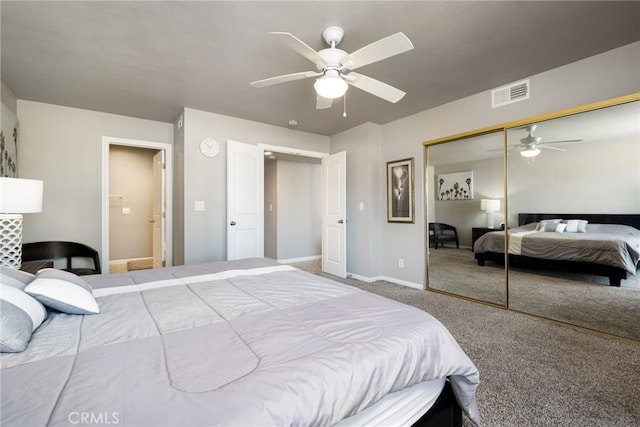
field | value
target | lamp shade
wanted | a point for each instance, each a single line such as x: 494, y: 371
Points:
x: 490, y: 205
x: 20, y: 195
x: 331, y: 85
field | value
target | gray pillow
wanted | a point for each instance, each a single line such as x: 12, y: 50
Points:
x: 20, y: 315
x: 16, y: 278
x: 63, y: 291
x: 551, y: 227
x: 576, y: 225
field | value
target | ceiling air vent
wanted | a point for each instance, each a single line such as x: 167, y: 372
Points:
x: 510, y: 93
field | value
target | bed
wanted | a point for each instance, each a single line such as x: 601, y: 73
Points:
x: 234, y: 343
x: 601, y: 244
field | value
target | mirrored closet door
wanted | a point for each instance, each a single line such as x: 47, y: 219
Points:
x: 465, y: 201
x: 570, y: 207
x: 582, y: 167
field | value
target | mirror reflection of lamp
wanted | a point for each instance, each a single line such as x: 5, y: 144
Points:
x: 490, y: 206
x: 17, y: 196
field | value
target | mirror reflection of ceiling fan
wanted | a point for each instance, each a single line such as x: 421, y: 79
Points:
x: 530, y: 145
x: 335, y: 66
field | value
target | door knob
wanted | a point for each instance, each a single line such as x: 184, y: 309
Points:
x: 152, y: 220
x: 232, y: 223
x: 340, y: 221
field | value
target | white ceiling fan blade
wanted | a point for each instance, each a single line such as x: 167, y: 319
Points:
x: 375, y: 87
x: 323, y: 103
x: 384, y: 48
x: 284, y: 78
x: 298, y: 45
x: 567, y: 141
x: 550, y: 147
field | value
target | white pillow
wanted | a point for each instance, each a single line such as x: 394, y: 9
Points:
x: 63, y: 291
x: 20, y: 315
x: 576, y: 225
x: 16, y: 278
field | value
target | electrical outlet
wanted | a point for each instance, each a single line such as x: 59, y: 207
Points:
x: 400, y: 263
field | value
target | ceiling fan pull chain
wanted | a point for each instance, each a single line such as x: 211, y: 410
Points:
x: 344, y: 99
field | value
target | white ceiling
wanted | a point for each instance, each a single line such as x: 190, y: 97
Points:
x: 149, y: 59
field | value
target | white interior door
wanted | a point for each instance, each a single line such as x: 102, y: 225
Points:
x: 159, y: 208
x: 245, y: 201
x: 334, y: 214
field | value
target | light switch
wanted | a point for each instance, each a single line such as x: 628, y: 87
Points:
x: 198, y: 205
x: 361, y: 206
x: 126, y: 211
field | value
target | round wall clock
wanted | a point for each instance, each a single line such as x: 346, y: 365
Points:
x: 209, y: 147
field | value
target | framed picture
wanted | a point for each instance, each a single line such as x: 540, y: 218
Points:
x: 455, y: 186
x: 8, y: 144
x: 400, y: 200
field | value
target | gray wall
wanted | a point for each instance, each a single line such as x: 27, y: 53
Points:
x: 205, y: 178
x: 63, y: 147
x: 365, y: 179
x: 299, y: 210
x: 488, y: 177
x: 608, y: 75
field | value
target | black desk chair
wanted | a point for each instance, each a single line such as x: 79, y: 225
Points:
x: 441, y: 233
x: 41, y: 251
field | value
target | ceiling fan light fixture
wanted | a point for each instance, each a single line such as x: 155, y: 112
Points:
x: 331, y: 85
x: 530, y: 152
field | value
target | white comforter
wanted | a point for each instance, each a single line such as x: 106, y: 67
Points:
x: 261, y: 345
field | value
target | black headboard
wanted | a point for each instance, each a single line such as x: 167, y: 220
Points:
x: 626, y: 219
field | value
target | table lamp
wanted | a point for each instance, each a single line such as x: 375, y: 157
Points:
x: 490, y: 206
x: 17, y: 197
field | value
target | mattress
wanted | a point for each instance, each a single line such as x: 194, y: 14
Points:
x: 247, y: 342
x: 613, y: 245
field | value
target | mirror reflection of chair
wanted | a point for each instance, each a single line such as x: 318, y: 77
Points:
x: 41, y: 251
x: 440, y: 233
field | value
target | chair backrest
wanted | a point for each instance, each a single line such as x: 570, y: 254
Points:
x: 39, y: 251
x: 439, y: 228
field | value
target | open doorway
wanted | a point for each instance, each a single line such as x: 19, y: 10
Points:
x: 136, y: 194
x: 245, y: 204
x: 293, y: 220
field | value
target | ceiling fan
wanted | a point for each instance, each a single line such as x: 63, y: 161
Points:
x: 335, y: 66
x: 530, y: 145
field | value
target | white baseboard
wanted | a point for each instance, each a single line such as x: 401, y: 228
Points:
x: 388, y: 279
x: 125, y: 261
x: 302, y: 259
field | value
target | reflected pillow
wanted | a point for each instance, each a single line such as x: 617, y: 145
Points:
x: 20, y: 315
x: 576, y: 225
x: 551, y: 227
x: 16, y: 278
x: 551, y: 221
x: 63, y: 291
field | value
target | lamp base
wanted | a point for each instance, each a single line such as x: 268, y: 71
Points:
x: 490, y: 221
x: 11, y: 240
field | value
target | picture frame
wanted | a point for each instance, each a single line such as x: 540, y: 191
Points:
x: 8, y: 144
x: 400, y: 191
x: 455, y: 186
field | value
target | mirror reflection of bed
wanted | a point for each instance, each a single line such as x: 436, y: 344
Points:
x: 598, y: 174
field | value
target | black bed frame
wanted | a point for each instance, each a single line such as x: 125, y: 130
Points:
x: 615, y: 274
x: 445, y: 412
